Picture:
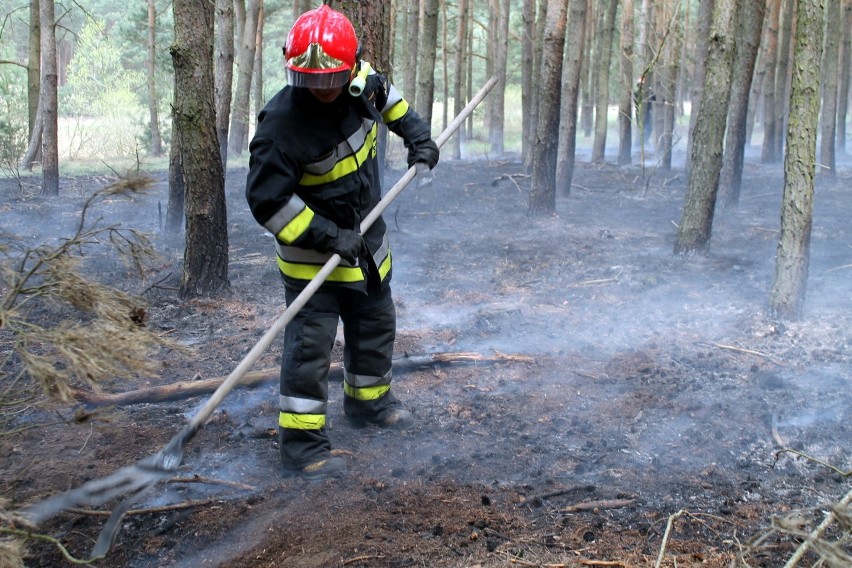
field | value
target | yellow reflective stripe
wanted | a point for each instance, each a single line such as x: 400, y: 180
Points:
x: 395, y: 112
x: 294, y: 229
x: 345, y: 166
x: 365, y: 393
x: 385, y: 267
x: 301, y: 421
x: 308, y: 271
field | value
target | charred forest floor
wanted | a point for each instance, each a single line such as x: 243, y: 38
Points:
x: 656, y: 409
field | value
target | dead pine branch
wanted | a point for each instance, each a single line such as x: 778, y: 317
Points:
x: 595, y: 505
x: 817, y: 533
x: 512, y: 178
x: 211, y: 481
x: 735, y: 349
x: 811, y: 458
x: 187, y: 389
x: 163, y: 509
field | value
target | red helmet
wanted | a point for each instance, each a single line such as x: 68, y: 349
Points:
x: 321, y: 49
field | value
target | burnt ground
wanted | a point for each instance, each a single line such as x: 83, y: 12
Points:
x: 653, y: 385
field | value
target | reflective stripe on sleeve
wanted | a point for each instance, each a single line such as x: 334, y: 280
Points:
x: 290, y: 221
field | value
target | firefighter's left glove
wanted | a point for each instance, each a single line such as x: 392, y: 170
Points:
x: 425, y: 152
x: 348, y: 244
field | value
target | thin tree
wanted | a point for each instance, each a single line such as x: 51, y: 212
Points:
x: 845, y: 70
x: 782, y: 74
x: 238, y: 136
x: 792, y: 256
x: 749, y: 28
x: 543, y: 187
x: 625, y: 99
x: 33, y: 66
x: 48, y: 99
x: 412, y: 40
x: 528, y: 73
x: 833, y: 32
x: 603, y: 56
x: 153, y: 113
x: 257, y: 76
x: 224, y: 73
x: 205, y: 261
x: 499, y: 44
x: 572, y: 68
x: 769, y: 108
x: 426, y: 60
x: 458, y: 78
x: 705, y: 17
x: 587, y: 90
x: 696, y: 223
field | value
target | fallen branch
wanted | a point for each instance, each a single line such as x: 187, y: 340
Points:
x: 187, y: 389
x: 557, y: 493
x: 766, y: 356
x: 816, y: 534
x: 594, y: 505
x: 199, y: 479
x: 811, y: 458
x: 163, y: 509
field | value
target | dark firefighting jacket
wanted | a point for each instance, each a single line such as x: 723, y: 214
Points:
x: 314, y: 168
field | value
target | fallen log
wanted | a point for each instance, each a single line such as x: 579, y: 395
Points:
x: 187, y: 389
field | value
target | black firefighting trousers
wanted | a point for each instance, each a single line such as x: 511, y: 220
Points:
x: 369, y: 329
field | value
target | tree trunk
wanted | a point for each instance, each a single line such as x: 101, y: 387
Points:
x: 571, y: 73
x: 782, y: 74
x: 705, y: 16
x: 845, y: 69
x: 205, y: 261
x: 412, y: 40
x: 528, y: 75
x: 668, y: 34
x: 625, y: 100
x: 156, y: 141
x: 587, y: 92
x: 496, y: 102
x: 33, y: 68
x: 426, y: 60
x: 603, y: 58
x: 175, y: 213
x: 833, y: 32
x: 224, y: 73
x: 245, y: 66
x: 49, y: 106
x: 697, y: 220
x: 769, y: 108
x: 459, y: 83
x: 257, y: 78
x: 543, y: 189
x: 793, y: 254
x: 749, y: 28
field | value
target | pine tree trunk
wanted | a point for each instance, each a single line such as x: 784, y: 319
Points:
x: 828, y: 130
x: 749, y: 29
x: 412, y: 40
x: 224, y: 73
x: 571, y: 73
x: 782, y: 75
x: 845, y: 69
x: 459, y: 83
x: 205, y: 261
x: 528, y: 75
x: 426, y: 60
x: 153, y: 112
x: 496, y: 102
x: 770, y: 82
x: 793, y: 254
x: 245, y: 66
x: 587, y: 90
x: 543, y: 188
x: 257, y: 76
x: 696, y: 224
x: 49, y: 98
x: 33, y: 67
x: 705, y: 16
x: 625, y: 100
x: 603, y: 58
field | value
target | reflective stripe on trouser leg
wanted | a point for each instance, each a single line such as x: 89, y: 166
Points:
x: 369, y: 327
x: 308, y: 340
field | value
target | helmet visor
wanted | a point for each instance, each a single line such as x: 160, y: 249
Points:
x: 331, y: 80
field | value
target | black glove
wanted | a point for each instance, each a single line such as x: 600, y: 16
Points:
x: 425, y: 151
x: 348, y: 244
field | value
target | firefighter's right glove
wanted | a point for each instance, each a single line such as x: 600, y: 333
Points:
x: 348, y: 244
x: 425, y: 152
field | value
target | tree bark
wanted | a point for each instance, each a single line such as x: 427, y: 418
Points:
x: 782, y: 74
x: 543, y: 189
x: 426, y: 60
x: 257, y: 78
x: 625, y: 100
x: 845, y: 70
x: 412, y: 40
x: 242, y: 94
x: 205, y: 261
x: 696, y: 224
x: 496, y: 102
x: 571, y: 73
x: 224, y: 73
x: 603, y: 58
x: 459, y: 83
x: 33, y: 67
x: 153, y: 113
x: 749, y: 28
x: 49, y: 101
x: 770, y: 82
x: 587, y: 92
x: 793, y: 254
x: 705, y: 16
x: 833, y: 32
x: 528, y: 74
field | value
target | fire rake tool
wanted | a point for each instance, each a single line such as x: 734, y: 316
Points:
x: 134, y: 480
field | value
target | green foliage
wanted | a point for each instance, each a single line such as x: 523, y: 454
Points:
x: 13, y: 121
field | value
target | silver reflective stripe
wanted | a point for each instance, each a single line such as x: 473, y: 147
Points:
x: 305, y: 256
x: 301, y: 405
x: 394, y: 97
x: 362, y: 381
x: 285, y: 215
x: 380, y: 255
x: 341, y: 151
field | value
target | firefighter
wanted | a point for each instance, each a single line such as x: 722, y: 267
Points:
x: 313, y: 176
